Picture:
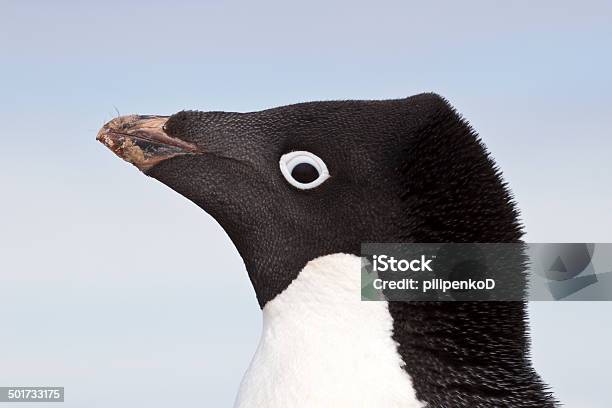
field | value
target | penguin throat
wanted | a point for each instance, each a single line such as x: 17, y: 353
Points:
x: 322, y: 346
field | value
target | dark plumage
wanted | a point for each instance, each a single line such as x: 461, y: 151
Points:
x: 462, y: 354
x: 406, y: 170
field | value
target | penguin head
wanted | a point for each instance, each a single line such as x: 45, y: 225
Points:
x: 297, y: 182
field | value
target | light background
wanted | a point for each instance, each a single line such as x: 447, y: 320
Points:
x: 128, y: 295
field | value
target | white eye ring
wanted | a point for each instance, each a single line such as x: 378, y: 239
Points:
x: 289, y: 161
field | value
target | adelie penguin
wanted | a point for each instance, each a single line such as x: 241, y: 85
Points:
x: 298, y: 189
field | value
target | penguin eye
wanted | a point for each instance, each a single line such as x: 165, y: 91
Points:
x: 303, y: 170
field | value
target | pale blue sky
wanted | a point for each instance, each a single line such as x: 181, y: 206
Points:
x: 126, y: 294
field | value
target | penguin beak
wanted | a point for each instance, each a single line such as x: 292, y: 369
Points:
x: 142, y: 140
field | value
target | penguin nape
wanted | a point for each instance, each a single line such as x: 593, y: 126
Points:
x: 298, y: 189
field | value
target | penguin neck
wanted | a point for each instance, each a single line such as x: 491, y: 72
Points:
x: 476, y: 352
x: 322, y: 346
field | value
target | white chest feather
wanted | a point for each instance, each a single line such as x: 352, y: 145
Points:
x: 321, y: 346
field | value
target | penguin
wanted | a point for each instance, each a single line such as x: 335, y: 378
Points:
x: 298, y: 189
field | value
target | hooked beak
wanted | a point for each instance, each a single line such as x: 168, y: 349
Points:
x: 142, y: 141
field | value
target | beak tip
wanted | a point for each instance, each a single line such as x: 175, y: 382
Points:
x: 142, y: 140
